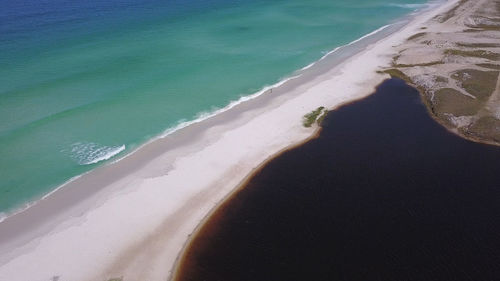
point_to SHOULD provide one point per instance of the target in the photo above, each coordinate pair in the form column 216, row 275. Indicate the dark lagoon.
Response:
column 384, row 193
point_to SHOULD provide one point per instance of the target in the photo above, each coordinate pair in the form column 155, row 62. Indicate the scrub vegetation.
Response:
column 316, row 115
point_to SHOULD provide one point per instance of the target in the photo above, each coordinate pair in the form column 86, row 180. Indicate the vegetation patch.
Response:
column 116, row 279
column 484, row 22
column 418, row 35
column 441, row 79
column 431, row 63
column 468, row 30
column 489, row 27
column 489, row 65
column 448, row 15
column 478, row 45
column 480, row 84
column 322, row 117
column 448, row 100
column 396, row 73
column 395, row 58
column 311, row 117
column 475, row 53
column 487, row 127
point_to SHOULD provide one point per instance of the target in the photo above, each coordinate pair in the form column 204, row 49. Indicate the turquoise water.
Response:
column 84, row 82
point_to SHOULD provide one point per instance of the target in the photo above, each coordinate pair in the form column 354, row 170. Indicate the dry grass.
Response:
column 469, row 30
column 448, row 100
column 438, row 87
column 480, row 84
column 396, row 73
column 489, row 65
column 448, row 15
column 478, row 45
column 418, row 35
column 486, row 127
column 489, row 27
column 431, row 63
column 475, row 53
column 441, row 79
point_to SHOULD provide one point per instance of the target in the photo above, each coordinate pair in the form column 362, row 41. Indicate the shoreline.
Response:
column 202, row 116
column 453, row 70
column 128, row 180
column 326, row 223
column 444, row 125
column 227, row 198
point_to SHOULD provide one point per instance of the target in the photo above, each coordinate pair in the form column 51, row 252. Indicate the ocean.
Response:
column 83, row 83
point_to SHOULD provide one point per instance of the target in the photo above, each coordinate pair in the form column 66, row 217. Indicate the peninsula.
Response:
column 130, row 219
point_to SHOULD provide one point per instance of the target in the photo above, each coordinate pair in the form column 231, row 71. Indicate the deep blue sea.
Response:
column 85, row 82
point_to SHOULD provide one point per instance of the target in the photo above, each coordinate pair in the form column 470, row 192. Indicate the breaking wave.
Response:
column 91, row 153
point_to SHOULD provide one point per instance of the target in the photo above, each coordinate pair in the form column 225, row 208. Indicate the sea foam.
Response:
column 408, row 6
column 86, row 153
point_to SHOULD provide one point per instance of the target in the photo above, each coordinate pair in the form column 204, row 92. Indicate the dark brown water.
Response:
column 384, row 193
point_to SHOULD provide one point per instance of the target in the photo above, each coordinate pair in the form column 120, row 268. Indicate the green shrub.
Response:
column 311, row 117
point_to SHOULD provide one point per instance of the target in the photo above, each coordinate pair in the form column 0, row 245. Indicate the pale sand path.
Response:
column 140, row 211
column 494, row 100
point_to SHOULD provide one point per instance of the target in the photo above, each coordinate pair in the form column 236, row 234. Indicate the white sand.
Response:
column 137, row 223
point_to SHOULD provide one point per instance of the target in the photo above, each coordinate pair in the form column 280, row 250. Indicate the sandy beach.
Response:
column 132, row 218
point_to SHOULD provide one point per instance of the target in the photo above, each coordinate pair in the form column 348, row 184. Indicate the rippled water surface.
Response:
column 103, row 75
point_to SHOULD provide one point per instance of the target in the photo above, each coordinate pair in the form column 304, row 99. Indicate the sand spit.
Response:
column 131, row 219
column 455, row 62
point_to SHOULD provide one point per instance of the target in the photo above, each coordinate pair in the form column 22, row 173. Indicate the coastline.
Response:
column 248, row 133
column 355, row 198
column 456, row 70
column 201, row 117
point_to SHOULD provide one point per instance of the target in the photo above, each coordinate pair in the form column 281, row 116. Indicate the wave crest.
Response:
column 91, row 153
column 407, row 6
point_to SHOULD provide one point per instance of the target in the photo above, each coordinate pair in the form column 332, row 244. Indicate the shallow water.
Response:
column 384, row 193
column 80, row 79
